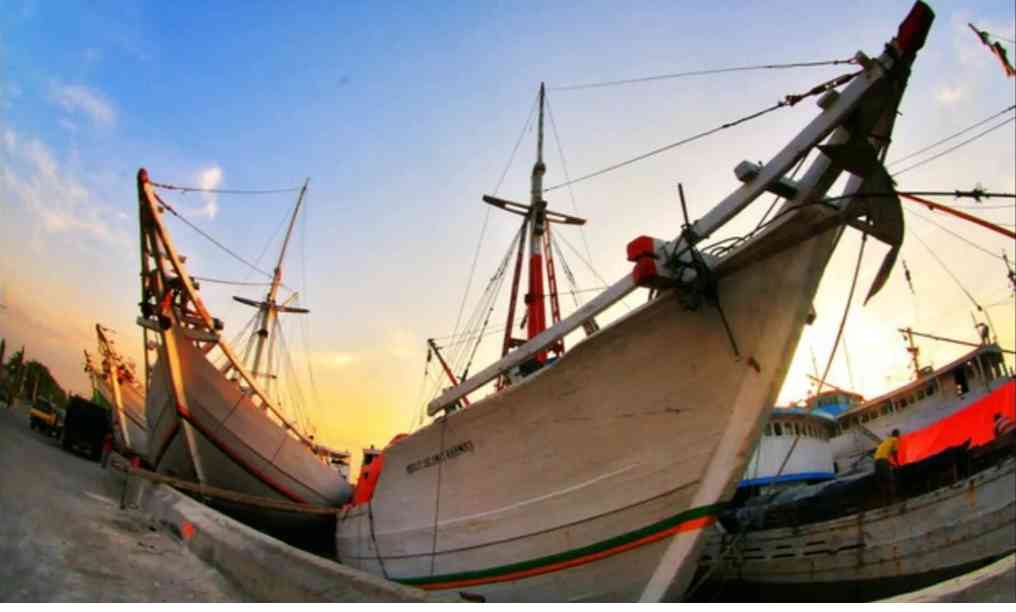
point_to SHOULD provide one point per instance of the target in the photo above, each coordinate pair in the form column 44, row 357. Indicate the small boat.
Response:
column 593, row 475
column 210, row 414
column 115, row 387
column 798, row 532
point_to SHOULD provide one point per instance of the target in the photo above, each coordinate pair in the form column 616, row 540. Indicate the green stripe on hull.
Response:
column 97, row 398
column 621, row 540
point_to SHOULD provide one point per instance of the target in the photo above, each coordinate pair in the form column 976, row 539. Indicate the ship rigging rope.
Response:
column 205, row 279
column 692, row 73
column 836, row 344
column 978, row 136
column 209, row 237
column 225, row 191
column 946, row 268
column 486, row 309
column 951, row 136
column 788, row 100
column 486, row 216
column 567, row 177
column 955, row 235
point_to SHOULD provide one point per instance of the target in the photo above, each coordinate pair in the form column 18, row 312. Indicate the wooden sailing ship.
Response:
column 116, row 387
column 592, row 476
column 210, row 414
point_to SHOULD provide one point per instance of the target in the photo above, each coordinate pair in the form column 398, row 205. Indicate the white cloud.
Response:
column 209, row 178
column 31, row 176
column 950, row 95
column 78, row 98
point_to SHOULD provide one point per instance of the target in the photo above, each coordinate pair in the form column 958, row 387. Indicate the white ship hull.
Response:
column 574, row 484
column 132, row 415
column 222, row 439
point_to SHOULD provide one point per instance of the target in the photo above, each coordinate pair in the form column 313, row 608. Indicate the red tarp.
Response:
column 975, row 423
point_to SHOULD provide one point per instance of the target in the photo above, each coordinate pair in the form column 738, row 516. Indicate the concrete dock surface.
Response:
column 63, row 537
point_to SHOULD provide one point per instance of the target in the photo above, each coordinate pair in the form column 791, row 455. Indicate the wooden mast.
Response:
column 536, row 320
column 913, row 350
column 444, row 365
column 269, row 308
column 536, row 229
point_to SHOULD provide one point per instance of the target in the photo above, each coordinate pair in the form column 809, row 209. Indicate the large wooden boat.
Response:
column 116, row 387
column 215, row 422
column 592, row 476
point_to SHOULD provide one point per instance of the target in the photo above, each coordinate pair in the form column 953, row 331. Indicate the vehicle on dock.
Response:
column 46, row 418
column 86, row 425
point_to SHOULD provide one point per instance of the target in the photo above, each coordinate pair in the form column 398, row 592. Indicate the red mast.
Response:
column 535, row 299
column 535, row 230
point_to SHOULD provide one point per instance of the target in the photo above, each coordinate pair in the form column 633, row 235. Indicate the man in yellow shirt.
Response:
column 885, row 458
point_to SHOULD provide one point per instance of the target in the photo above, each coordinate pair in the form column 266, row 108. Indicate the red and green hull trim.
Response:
column 690, row 520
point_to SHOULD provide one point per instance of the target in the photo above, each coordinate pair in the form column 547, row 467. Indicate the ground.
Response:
column 64, row 538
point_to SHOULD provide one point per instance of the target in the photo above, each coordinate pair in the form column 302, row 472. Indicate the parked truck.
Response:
column 46, row 418
column 86, row 425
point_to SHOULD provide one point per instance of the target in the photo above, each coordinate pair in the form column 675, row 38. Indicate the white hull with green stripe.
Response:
column 591, row 479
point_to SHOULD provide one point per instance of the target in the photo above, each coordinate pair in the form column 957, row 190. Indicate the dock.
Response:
column 77, row 532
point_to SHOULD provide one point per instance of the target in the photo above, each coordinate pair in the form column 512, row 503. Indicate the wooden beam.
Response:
column 962, row 215
column 590, row 309
column 523, row 209
column 226, row 494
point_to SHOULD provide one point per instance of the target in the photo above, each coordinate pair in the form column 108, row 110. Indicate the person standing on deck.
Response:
column 885, row 459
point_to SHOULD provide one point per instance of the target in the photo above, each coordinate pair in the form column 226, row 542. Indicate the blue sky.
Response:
column 403, row 115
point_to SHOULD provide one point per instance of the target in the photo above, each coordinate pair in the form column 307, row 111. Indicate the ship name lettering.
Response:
column 449, row 453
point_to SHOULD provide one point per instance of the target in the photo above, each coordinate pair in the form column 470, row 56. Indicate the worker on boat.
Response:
column 886, row 458
column 1002, row 425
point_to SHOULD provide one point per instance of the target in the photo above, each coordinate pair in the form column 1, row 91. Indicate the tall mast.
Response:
column 536, row 318
column 269, row 308
column 536, row 229
column 913, row 350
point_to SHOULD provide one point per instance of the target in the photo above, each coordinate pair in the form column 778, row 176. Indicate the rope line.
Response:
column 677, row 75
column 788, row 100
column 954, row 147
column 208, row 237
column 947, row 270
column 951, row 136
column 954, row 234
column 667, row 147
column 205, row 279
column 836, row 342
column 486, row 216
column 225, row 191
column 567, row 178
